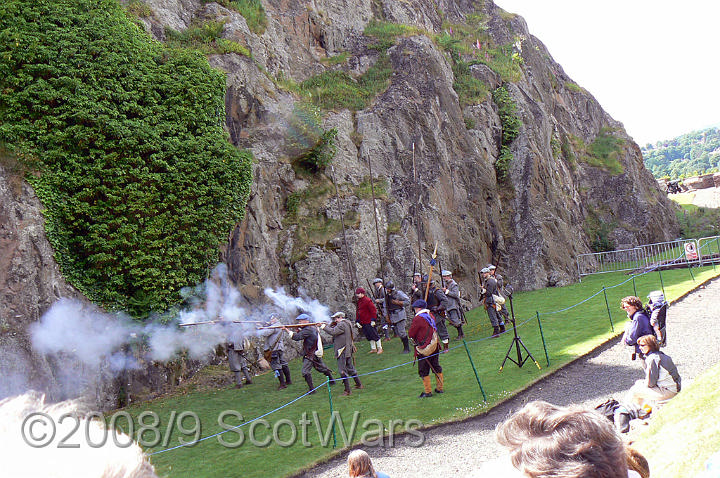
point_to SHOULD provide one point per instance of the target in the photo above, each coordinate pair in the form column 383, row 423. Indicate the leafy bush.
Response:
column 251, row 10
column 599, row 232
column 139, row 182
column 507, row 110
column 312, row 147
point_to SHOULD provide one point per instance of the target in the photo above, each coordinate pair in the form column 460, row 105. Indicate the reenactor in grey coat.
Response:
column 380, row 292
column 490, row 290
column 308, row 334
column 342, row 332
column 236, row 345
column 501, row 289
column 437, row 303
column 275, row 347
column 396, row 301
column 453, row 312
column 417, row 292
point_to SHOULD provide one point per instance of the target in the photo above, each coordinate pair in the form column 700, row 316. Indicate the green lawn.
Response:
column 692, row 416
column 392, row 394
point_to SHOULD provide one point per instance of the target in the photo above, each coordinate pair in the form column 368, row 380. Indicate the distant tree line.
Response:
column 691, row 154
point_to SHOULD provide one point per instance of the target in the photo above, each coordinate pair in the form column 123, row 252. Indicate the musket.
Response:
column 442, row 278
column 289, row 325
column 222, row 321
column 432, row 263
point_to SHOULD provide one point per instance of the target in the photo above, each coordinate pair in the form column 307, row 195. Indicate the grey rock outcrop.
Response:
column 30, row 281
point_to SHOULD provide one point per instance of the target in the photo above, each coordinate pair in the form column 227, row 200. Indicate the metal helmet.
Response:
column 390, row 285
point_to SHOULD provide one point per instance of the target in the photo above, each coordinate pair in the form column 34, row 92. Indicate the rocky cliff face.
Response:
column 30, row 282
column 433, row 156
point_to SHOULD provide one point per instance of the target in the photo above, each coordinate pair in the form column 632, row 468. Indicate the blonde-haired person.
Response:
column 360, row 466
column 549, row 441
column 662, row 380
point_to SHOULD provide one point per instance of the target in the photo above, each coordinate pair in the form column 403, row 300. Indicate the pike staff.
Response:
column 377, row 228
column 350, row 264
column 432, row 263
column 417, row 203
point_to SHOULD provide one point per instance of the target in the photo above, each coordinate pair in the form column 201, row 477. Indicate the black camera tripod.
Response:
column 517, row 342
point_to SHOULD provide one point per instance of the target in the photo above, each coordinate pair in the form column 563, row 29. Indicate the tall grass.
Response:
column 251, row 10
column 205, row 37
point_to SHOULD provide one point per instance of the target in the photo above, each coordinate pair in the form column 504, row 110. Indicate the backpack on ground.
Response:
column 607, row 408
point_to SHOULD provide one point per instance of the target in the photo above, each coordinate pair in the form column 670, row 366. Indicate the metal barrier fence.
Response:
column 648, row 256
column 709, row 248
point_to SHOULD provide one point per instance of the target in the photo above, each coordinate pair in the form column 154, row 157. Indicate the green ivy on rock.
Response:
column 139, row 182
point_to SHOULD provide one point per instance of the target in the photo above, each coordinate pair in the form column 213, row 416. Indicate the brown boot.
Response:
column 496, row 331
column 439, row 383
column 426, row 387
column 445, row 348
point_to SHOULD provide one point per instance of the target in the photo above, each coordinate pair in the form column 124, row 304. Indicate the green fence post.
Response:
column 542, row 336
column 331, row 413
column 691, row 273
column 474, row 370
column 662, row 284
column 634, row 288
column 612, row 327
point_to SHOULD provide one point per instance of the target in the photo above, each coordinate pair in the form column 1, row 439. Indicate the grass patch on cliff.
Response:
column 603, row 152
column 251, row 10
column 138, row 179
column 470, row 44
column 337, row 89
column 386, row 33
column 206, row 38
column 333, row 89
column 568, row 335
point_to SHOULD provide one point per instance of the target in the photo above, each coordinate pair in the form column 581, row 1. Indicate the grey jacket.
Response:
column 399, row 314
column 274, row 339
column 453, row 295
column 661, row 372
column 342, row 334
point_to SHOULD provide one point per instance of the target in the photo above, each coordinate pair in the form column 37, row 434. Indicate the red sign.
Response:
column 690, row 251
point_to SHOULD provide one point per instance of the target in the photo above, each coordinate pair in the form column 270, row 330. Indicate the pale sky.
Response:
column 652, row 65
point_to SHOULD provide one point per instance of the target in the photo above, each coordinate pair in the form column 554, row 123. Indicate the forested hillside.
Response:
column 691, row 154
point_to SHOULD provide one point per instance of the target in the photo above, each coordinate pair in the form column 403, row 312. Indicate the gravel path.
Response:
column 458, row 448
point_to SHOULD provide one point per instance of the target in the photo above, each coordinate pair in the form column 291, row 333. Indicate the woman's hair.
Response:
column 562, row 442
column 650, row 341
column 359, row 464
column 637, row 462
column 632, row 300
